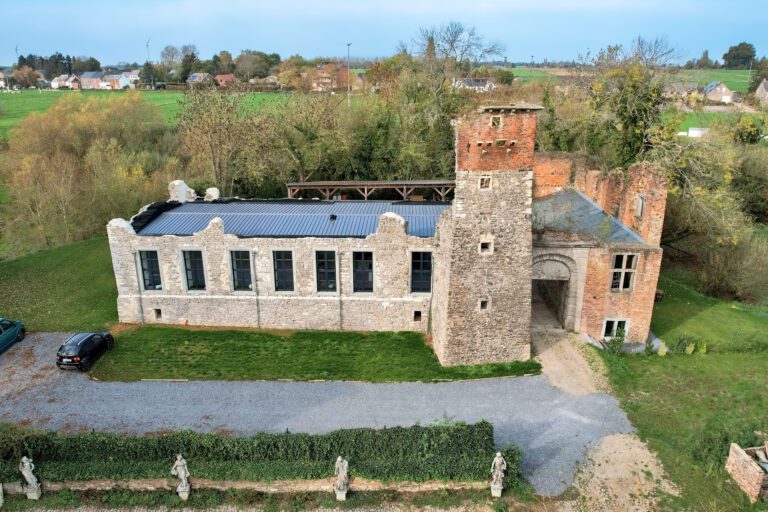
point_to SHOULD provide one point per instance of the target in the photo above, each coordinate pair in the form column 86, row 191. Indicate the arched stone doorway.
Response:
column 553, row 292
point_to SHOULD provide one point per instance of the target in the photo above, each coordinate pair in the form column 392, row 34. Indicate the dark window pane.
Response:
column 621, row 325
column 326, row 271
column 150, row 270
column 241, row 270
column 283, row 263
column 627, row 281
column 618, row 261
column 616, row 281
column 630, row 261
column 362, row 272
column 421, row 272
column 193, row 265
column 608, row 328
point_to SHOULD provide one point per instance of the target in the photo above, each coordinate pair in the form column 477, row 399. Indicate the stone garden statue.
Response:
column 498, row 468
column 181, row 471
column 31, row 487
column 341, row 470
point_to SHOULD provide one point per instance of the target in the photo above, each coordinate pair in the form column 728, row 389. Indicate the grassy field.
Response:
column 205, row 354
column 689, row 408
column 65, row 289
column 736, row 79
column 15, row 107
column 533, row 75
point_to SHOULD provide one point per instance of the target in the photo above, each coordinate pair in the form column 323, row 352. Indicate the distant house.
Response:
column 270, row 80
column 200, row 79
column 225, row 80
column 132, row 75
column 474, row 84
column 117, row 82
column 680, row 90
column 91, row 80
column 718, row 92
column 59, row 82
column 73, row 82
column 3, row 80
column 762, row 93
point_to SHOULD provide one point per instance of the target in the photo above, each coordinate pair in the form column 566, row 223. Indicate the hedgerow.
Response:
column 442, row 452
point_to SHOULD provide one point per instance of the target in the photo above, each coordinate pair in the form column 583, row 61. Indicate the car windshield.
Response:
column 69, row 350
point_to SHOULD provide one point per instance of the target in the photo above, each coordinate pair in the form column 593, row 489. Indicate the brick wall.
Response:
column 600, row 302
column 551, row 173
column 390, row 307
column 617, row 193
column 746, row 473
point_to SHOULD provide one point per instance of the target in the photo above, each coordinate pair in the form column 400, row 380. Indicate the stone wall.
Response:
column 746, row 473
column 390, row 307
column 553, row 260
column 487, row 282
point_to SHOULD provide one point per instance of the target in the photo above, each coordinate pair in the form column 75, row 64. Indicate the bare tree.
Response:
column 170, row 56
column 457, row 44
column 188, row 49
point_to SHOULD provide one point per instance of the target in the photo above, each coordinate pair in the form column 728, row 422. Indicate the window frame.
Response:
column 140, row 267
column 335, row 253
column 251, row 269
column 615, row 327
column 184, row 250
column 373, row 271
column 274, row 270
column 411, row 271
column 481, row 179
column 623, row 271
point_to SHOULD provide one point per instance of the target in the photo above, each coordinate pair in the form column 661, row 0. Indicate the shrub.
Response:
column 615, row 343
column 684, row 344
column 710, row 446
column 443, row 452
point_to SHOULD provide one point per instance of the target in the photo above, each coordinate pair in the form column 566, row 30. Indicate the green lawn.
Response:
column 689, row 408
column 720, row 323
column 15, row 107
column 736, row 79
column 533, row 75
column 65, row 289
column 180, row 353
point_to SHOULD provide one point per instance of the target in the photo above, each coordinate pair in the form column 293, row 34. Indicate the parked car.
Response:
column 82, row 349
column 11, row 331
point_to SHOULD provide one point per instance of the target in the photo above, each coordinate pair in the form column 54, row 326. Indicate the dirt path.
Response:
column 621, row 473
column 561, row 355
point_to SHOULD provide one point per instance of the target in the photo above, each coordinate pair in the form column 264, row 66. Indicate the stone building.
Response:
column 529, row 241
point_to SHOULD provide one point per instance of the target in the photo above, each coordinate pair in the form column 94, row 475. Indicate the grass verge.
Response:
column 250, row 500
column 689, row 408
column 69, row 288
column 180, row 353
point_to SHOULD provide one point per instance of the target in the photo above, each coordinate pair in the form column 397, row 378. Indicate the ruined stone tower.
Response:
column 482, row 290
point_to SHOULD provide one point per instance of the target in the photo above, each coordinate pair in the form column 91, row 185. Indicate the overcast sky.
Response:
column 114, row 31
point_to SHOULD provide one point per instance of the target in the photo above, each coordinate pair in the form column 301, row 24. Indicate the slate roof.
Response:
column 91, row 74
column 570, row 211
column 295, row 218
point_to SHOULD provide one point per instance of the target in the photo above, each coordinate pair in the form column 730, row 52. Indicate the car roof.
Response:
column 78, row 338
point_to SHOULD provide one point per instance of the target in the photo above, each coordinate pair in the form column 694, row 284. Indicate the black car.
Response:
column 82, row 349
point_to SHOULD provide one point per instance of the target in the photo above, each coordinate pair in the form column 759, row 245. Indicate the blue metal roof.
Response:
column 710, row 87
column 298, row 218
column 570, row 211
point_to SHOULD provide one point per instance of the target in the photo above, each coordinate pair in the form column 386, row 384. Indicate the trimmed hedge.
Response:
column 418, row 453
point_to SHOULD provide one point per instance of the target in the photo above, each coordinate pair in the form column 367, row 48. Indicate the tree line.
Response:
column 119, row 154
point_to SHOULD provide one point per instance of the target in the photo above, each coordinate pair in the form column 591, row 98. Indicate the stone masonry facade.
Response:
column 390, row 307
column 484, row 257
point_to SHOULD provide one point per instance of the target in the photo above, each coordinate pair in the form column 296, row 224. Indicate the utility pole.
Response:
column 152, row 72
column 349, row 80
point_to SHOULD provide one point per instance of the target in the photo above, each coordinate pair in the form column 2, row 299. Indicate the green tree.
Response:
column 739, row 56
column 188, row 64
column 759, row 73
column 147, row 74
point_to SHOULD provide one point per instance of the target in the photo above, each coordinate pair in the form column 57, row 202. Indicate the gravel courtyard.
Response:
column 554, row 428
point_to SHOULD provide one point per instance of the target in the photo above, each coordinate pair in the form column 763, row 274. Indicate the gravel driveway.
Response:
column 554, row 428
